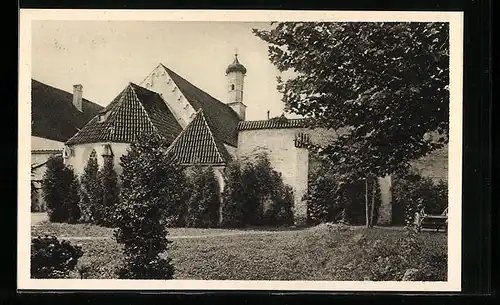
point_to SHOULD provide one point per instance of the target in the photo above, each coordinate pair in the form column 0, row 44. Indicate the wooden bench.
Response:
column 429, row 221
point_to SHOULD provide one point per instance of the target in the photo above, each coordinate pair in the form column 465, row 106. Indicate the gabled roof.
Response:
column 53, row 115
column 196, row 144
column 134, row 111
column 225, row 120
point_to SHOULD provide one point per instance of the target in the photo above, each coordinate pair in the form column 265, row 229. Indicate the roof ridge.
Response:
column 178, row 75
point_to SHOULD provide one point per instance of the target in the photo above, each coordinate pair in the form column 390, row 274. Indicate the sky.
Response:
column 104, row 56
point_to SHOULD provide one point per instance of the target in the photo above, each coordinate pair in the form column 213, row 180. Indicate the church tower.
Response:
column 235, row 73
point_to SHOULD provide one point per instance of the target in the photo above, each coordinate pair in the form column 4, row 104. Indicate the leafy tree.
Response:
column 233, row 210
column 91, row 191
column 203, row 202
column 152, row 187
column 108, row 180
column 61, row 191
column 383, row 86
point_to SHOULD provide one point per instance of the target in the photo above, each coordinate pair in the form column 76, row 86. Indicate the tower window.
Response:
column 232, row 86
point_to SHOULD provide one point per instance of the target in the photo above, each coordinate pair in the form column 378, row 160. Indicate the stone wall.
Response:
column 295, row 164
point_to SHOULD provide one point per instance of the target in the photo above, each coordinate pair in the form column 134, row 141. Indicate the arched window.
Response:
column 232, row 87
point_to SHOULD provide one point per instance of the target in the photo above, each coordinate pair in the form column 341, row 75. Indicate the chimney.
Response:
column 268, row 114
column 77, row 97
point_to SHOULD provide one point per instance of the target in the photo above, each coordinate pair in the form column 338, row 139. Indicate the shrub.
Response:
column 412, row 191
column 256, row 195
column 280, row 211
column 332, row 197
column 35, row 203
column 91, row 190
column 233, row 214
column 72, row 203
column 61, row 191
column 110, row 199
column 203, row 201
column 152, row 187
column 53, row 259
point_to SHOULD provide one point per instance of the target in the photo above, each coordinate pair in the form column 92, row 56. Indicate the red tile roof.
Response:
column 197, row 144
column 53, row 115
column 225, row 120
column 134, row 111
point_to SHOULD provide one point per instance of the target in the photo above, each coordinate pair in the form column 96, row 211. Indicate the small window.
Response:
column 102, row 117
column 232, row 87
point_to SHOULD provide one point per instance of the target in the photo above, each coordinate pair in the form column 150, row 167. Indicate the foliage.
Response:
column 61, row 191
column 233, row 209
column 151, row 191
column 91, row 190
column 336, row 197
column 203, row 202
column 110, row 199
column 256, row 195
column 53, row 259
column 383, row 85
column 412, row 192
column 35, row 202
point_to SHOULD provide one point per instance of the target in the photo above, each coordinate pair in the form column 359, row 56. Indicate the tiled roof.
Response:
column 196, row 144
column 134, row 111
column 53, row 115
column 224, row 119
column 275, row 123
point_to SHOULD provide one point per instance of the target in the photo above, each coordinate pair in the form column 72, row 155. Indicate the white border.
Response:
column 455, row 148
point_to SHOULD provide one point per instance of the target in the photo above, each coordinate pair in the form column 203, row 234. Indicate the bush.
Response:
column 256, row 194
column 91, row 190
column 61, row 191
column 152, row 187
column 110, row 193
column 412, row 191
column 332, row 197
column 53, row 259
column 233, row 214
column 35, row 202
column 203, row 201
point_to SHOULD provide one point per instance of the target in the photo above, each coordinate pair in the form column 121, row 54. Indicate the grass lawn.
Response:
column 318, row 253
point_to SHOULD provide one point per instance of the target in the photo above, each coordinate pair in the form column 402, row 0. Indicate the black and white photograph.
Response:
column 240, row 150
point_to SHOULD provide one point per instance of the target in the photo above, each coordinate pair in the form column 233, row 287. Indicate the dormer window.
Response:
column 102, row 116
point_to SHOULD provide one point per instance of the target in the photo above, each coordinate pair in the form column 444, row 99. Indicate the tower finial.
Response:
column 236, row 52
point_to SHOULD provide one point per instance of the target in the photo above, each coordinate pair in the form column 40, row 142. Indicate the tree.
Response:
column 110, row 199
column 383, row 86
column 233, row 209
column 61, row 191
column 152, row 187
column 203, row 202
column 72, row 202
column 91, row 190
